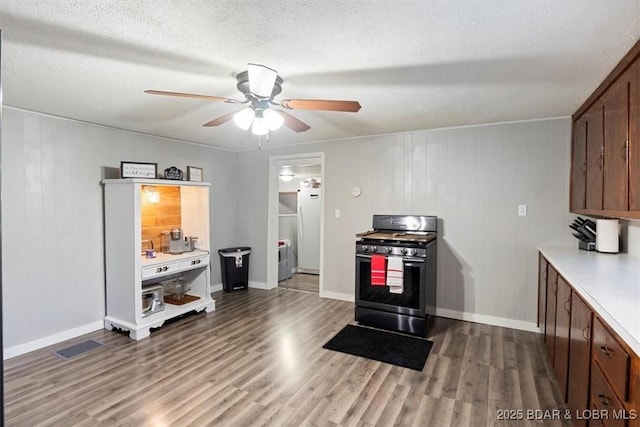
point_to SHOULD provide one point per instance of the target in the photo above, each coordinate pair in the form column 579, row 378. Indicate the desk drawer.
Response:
column 612, row 359
column 157, row 270
column 195, row 262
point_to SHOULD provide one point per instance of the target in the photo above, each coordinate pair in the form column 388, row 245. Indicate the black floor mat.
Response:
column 77, row 349
column 388, row 347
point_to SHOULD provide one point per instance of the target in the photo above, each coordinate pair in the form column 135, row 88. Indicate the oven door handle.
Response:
column 404, row 259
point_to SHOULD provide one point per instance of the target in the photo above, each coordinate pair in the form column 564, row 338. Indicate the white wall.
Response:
column 472, row 178
column 53, row 257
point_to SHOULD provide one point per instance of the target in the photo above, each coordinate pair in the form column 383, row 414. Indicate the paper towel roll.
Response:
column 607, row 235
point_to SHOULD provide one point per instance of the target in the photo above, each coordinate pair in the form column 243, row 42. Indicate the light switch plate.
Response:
column 337, row 213
column 522, row 210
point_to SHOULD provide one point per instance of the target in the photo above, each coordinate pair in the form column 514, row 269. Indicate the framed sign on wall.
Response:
column 138, row 170
column 194, row 173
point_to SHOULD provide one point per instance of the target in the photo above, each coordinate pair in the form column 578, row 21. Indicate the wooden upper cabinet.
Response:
column 634, row 137
column 595, row 155
column 612, row 116
column 579, row 165
column 616, row 128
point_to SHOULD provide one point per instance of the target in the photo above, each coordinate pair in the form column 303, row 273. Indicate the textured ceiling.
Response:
column 411, row 64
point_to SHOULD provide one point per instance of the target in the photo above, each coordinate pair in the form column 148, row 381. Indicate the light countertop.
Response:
column 610, row 283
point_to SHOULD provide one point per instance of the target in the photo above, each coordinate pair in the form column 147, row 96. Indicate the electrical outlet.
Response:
column 522, row 210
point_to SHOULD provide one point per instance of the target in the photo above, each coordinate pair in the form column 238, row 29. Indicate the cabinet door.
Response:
column 634, row 137
column 563, row 319
column 542, row 293
column 550, row 312
column 595, row 155
column 579, row 165
column 579, row 358
column 616, row 126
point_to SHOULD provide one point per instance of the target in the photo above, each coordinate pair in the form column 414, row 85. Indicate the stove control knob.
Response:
column 365, row 248
column 373, row 248
column 387, row 250
column 414, row 252
column 404, row 251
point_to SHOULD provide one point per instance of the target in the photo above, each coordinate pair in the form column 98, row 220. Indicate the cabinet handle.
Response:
column 607, row 352
column 159, row 270
column 601, row 160
column 624, row 150
column 585, row 333
column 165, row 268
column 606, row 402
column 583, row 169
column 567, row 306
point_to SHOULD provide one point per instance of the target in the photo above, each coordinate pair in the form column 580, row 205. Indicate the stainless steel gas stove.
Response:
column 396, row 273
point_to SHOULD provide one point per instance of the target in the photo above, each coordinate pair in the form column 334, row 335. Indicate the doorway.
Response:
column 296, row 222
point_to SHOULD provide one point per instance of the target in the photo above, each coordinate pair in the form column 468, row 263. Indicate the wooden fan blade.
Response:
column 293, row 123
column 321, row 104
column 220, row 120
column 192, row 95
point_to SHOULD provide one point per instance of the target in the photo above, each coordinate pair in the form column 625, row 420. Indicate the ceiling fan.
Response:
column 259, row 85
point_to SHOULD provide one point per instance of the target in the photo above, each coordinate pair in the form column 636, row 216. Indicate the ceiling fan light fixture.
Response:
column 273, row 118
column 286, row 177
column 259, row 126
column 261, row 80
column 244, row 118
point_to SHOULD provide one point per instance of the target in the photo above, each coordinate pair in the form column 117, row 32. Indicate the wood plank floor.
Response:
column 302, row 282
column 258, row 360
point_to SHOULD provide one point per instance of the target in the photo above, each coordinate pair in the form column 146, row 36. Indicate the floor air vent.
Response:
column 77, row 349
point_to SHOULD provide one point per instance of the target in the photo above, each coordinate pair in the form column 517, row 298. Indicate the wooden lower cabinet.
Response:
column 542, row 293
column 550, row 312
column 563, row 319
column 579, row 358
column 595, row 369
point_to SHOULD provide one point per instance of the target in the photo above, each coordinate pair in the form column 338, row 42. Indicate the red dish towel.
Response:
column 378, row 270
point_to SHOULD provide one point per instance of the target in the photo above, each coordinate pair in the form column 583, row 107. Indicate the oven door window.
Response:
column 413, row 274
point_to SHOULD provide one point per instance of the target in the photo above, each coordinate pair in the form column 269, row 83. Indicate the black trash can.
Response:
column 235, row 267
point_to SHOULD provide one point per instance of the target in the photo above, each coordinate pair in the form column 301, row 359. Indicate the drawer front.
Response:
column 196, row 262
column 604, row 401
column 612, row 359
column 157, row 270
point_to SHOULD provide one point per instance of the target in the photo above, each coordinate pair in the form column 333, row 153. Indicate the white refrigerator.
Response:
column 309, row 230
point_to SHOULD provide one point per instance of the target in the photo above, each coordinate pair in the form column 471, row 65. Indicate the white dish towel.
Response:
column 395, row 275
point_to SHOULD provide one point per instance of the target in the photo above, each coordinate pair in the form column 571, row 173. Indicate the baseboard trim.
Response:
column 488, row 320
column 216, row 288
column 19, row 349
column 338, row 295
column 261, row 285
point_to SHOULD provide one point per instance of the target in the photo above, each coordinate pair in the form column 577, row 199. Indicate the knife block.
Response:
column 588, row 246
